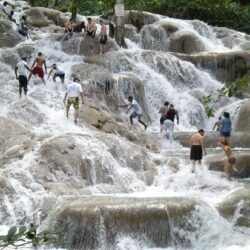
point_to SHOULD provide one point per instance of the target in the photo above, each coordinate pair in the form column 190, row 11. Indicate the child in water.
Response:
column 231, row 160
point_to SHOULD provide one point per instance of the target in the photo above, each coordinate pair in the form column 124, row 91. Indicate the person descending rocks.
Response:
column 38, row 69
column 59, row 72
column 104, row 38
column 21, row 68
column 163, row 111
column 91, row 27
column 73, row 94
column 231, row 160
column 137, row 111
column 197, row 147
column 169, row 122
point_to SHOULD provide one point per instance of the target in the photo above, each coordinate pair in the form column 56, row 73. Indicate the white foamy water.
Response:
column 164, row 77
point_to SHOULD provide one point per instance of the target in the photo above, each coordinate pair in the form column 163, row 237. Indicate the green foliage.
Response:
column 210, row 100
column 21, row 236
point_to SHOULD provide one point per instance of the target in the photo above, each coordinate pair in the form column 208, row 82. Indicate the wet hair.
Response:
column 171, row 105
column 226, row 114
column 5, row 3
column 54, row 65
column 24, row 58
column 76, row 79
column 166, row 103
column 24, row 18
column 89, row 19
column 201, row 131
column 12, row 12
column 40, row 53
column 101, row 21
column 130, row 98
column 220, row 117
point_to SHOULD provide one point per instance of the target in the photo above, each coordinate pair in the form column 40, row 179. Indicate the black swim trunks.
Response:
column 103, row 39
column 23, row 82
column 59, row 75
column 196, row 152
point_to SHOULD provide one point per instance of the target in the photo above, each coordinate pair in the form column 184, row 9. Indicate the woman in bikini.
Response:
column 231, row 160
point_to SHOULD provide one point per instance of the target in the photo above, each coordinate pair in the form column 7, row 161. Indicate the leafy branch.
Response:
column 22, row 236
column 210, row 100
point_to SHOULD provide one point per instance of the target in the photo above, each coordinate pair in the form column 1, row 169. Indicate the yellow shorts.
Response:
column 74, row 101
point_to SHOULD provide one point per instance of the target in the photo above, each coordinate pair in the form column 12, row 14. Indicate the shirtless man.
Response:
column 197, row 147
column 91, row 27
column 104, row 38
column 38, row 69
column 69, row 27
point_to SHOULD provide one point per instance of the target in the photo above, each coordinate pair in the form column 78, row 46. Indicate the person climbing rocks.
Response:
column 72, row 95
column 163, row 111
column 231, row 160
column 21, row 68
column 197, row 148
column 38, row 69
column 217, row 124
column 137, row 111
column 104, row 38
column 69, row 27
column 59, row 72
column 169, row 122
column 226, row 126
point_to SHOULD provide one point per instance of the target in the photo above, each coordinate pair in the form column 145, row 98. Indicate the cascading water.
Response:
column 115, row 186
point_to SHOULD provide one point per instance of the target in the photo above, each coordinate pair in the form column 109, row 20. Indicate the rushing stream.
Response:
column 103, row 190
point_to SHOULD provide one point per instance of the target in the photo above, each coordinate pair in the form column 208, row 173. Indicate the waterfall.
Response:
column 108, row 184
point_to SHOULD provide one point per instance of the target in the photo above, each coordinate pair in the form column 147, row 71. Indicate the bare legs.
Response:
column 228, row 170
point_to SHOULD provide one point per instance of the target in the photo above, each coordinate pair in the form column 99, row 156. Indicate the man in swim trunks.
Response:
column 74, row 92
column 137, row 110
column 38, row 69
column 197, row 147
column 91, row 27
column 59, row 72
column 22, row 76
column 104, row 38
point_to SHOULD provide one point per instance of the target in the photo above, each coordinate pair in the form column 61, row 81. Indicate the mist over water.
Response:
column 164, row 77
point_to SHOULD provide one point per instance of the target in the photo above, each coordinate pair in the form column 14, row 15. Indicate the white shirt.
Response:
column 74, row 89
column 136, row 107
column 21, row 68
column 59, row 70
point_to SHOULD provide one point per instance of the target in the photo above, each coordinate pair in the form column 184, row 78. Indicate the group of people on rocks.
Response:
column 224, row 127
column 4, row 12
column 72, row 27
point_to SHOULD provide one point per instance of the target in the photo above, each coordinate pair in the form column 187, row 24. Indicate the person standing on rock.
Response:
column 231, row 160
column 137, row 111
column 22, row 76
column 104, row 38
column 73, row 94
column 169, row 122
column 38, row 69
column 225, row 126
column 59, row 72
column 163, row 111
column 197, row 147
column 217, row 124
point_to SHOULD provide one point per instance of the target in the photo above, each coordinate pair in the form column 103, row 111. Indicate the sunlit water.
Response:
column 204, row 185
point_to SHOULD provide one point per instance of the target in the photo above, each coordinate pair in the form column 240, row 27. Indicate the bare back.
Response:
column 103, row 30
column 196, row 139
column 39, row 61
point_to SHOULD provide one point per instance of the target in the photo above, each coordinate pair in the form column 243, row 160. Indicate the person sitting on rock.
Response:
column 69, row 27
column 78, row 27
column 23, row 30
column 59, row 72
column 137, row 111
column 91, row 27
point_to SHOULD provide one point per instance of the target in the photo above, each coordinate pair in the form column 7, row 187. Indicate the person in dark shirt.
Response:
column 169, row 122
column 226, row 126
